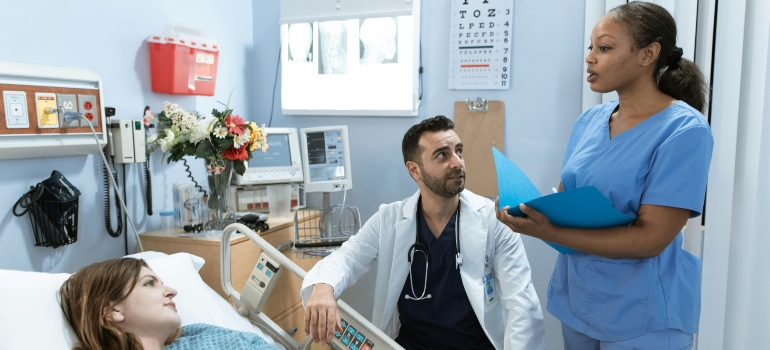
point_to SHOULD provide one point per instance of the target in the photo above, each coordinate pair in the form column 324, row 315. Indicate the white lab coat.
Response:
column 513, row 321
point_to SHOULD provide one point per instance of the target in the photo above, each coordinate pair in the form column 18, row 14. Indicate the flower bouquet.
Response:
column 223, row 140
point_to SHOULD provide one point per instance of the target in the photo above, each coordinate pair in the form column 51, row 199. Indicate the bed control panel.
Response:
column 261, row 283
column 351, row 338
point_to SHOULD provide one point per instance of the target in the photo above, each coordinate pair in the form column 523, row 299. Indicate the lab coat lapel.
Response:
column 473, row 248
column 403, row 238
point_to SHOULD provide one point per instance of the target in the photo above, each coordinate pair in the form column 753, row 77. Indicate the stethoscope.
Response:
column 424, row 250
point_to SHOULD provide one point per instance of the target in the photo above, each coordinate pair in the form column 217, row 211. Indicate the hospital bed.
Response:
column 358, row 333
column 31, row 318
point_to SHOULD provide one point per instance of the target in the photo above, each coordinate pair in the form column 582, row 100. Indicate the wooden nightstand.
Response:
column 284, row 306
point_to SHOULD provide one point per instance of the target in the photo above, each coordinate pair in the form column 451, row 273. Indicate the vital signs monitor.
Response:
column 281, row 163
column 326, row 159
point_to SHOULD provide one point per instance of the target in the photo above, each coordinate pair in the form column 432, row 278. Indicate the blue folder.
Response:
column 583, row 207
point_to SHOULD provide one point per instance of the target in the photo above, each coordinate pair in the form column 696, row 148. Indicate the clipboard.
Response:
column 480, row 124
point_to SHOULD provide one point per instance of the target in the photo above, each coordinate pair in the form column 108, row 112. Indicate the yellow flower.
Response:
column 262, row 142
column 253, row 136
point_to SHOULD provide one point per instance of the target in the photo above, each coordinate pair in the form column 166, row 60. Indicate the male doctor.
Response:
column 478, row 293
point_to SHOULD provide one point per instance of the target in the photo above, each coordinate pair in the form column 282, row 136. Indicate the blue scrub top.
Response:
column 662, row 161
column 446, row 320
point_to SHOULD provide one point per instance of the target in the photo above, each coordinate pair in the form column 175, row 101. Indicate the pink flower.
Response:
column 235, row 125
column 148, row 116
column 216, row 170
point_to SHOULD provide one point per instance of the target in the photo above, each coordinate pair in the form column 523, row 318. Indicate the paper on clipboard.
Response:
column 480, row 124
column 583, row 207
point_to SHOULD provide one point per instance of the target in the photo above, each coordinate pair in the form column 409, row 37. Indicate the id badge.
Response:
column 489, row 286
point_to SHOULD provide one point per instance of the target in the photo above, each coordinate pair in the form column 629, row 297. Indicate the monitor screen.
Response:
column 326, row 159
column 278, row 153
column 280, row 163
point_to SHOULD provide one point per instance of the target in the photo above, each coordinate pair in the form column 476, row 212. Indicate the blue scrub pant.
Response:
column 671, row 339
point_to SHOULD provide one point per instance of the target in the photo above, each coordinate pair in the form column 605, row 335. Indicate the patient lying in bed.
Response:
column 121, row 303
column 31, row 316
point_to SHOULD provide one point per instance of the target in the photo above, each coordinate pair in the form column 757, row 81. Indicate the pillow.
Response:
column 29, row 306
column 149, row 255
column 30, row 315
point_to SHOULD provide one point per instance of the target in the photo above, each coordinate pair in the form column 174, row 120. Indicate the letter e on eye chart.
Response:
column 480, row 44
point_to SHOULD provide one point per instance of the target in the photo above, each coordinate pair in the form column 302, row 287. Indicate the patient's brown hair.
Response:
column 85, row 296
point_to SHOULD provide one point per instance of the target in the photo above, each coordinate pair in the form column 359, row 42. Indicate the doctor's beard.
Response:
column 440, row 185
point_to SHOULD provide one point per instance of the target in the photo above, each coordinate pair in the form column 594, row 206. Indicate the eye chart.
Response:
column 480, row 44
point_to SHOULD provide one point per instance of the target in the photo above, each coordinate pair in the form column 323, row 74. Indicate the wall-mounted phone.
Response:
column 128, row 141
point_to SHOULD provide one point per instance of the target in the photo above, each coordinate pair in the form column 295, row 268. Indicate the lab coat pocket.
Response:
column 617, row 296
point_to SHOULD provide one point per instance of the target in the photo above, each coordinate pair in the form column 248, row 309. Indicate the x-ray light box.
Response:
column 351, row 66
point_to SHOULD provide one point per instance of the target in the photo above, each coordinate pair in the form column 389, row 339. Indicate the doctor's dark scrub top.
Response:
column 446, row 320
column 662, row 161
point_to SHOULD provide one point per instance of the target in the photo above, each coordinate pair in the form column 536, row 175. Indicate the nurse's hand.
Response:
column 321, row 315
column 535, row 224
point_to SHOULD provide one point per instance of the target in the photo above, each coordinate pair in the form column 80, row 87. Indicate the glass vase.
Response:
column 221, row 212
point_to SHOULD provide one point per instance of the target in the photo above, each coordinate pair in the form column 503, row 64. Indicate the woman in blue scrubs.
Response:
column 649, row 153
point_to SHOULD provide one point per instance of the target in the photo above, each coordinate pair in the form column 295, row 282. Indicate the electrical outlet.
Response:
column 68, row 103
column 47, row 117
column 87, row 106
column 16, row 114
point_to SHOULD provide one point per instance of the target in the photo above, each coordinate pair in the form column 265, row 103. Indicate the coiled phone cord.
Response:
column 190, row 175
column 107, row 205
column 148, row 115
column 148, row 184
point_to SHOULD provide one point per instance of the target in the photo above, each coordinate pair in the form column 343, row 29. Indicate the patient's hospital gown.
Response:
column 201, row 336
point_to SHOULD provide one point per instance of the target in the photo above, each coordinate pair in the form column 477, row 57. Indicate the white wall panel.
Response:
column 727, row 80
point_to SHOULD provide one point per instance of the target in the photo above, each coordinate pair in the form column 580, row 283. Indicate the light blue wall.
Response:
column 109, row 38
column 541, row 106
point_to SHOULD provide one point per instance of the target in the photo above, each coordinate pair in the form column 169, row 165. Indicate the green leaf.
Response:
column 176, row 154
column 240, row 167
column 213, row 201
column 205, row 150
column 221, row 145
column 230, row 98
column 163, row 119
column 190, row 149
column 226, row 143
column 214, row 144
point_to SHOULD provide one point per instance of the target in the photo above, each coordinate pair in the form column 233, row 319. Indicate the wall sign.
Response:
column 480, row 44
